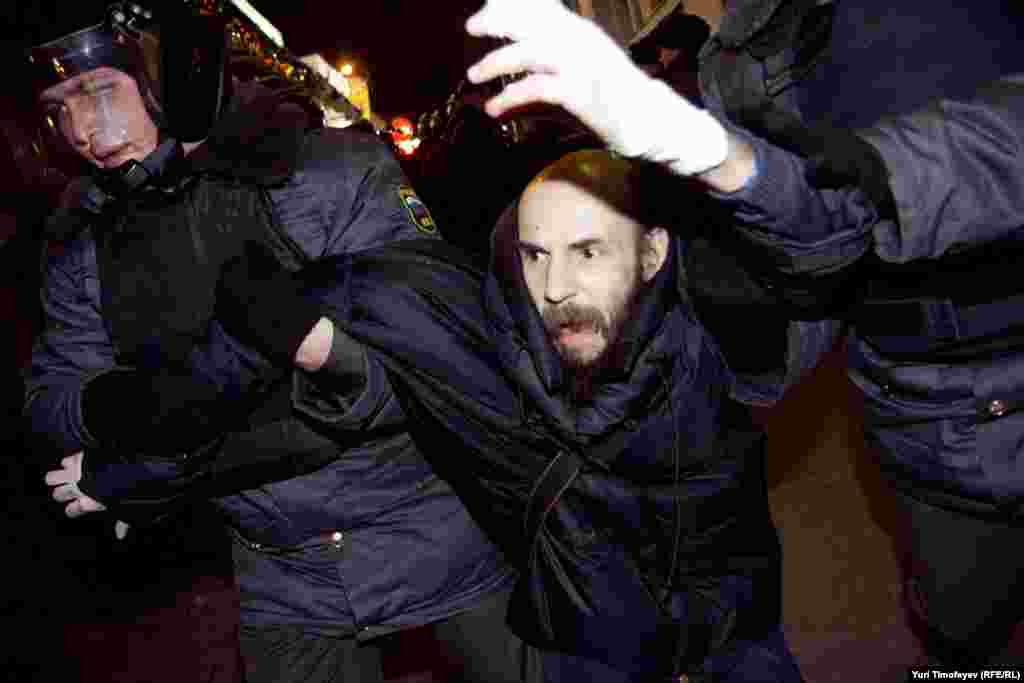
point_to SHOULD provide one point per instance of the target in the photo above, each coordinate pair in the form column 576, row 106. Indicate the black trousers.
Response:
column 966, row 583
column 287, row 654
column 477, row 646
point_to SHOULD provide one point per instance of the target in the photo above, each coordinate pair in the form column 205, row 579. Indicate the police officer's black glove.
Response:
column 264, row 305
column 844, row 158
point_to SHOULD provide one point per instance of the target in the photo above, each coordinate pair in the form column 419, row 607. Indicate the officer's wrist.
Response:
column 736, row 172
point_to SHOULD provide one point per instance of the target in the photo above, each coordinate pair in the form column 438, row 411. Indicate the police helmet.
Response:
column 176, row 53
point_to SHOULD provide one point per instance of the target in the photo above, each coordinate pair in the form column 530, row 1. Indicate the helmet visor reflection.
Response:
column 82, row 51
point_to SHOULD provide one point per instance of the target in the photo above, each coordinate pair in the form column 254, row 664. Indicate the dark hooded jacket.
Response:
column 639, row 522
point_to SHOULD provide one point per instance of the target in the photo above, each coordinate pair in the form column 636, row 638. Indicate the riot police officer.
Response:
column 181, row 167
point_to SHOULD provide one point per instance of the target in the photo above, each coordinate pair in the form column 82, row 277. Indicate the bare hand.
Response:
column 65, row 490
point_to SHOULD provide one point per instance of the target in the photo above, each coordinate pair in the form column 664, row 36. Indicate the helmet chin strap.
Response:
column 110, row 185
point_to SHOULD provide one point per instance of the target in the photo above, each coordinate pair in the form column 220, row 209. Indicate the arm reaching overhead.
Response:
column 570, row 61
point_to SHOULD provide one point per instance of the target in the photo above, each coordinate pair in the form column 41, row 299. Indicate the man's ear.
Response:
column 654, row 252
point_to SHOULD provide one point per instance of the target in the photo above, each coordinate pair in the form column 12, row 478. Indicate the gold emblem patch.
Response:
column 418, row 211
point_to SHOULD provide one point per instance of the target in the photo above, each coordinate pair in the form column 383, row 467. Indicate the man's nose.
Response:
column 561, row 281
column 79, row 122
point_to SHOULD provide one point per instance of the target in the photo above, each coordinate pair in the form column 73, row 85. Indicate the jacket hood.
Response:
column 660, row 329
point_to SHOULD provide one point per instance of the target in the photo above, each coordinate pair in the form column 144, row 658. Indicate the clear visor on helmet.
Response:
column 88, row 93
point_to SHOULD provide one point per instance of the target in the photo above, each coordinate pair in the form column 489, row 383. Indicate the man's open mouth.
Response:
column 574, row 329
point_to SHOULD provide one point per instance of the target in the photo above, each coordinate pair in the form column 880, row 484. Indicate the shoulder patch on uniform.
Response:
column 418, row 211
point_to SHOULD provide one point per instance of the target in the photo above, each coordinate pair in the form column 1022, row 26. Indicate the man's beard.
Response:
column 582, row 375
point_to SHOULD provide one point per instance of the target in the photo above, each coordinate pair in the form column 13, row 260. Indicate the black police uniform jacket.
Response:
column 327, row 550
column 919, row 223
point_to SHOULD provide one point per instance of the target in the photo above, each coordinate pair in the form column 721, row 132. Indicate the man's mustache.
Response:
column 573, row 315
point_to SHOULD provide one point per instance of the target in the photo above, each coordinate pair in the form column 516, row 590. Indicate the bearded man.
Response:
column 654, row 551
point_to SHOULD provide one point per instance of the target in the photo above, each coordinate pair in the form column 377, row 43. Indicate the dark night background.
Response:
column 414, row 52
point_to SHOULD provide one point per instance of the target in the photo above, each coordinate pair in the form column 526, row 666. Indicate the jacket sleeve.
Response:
column 168, row 407
column 170, row 414
column 72, row 348
column 349, row 400
column 956, row 172
column 346, row 403
column 201, row 444
column 802, row 231
column 159, row 404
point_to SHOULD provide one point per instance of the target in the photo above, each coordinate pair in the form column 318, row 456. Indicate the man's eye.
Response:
column 531, row 255
column 588, row 253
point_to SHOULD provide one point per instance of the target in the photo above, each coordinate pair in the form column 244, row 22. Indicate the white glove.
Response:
column 570, row 61
column 65, row 490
